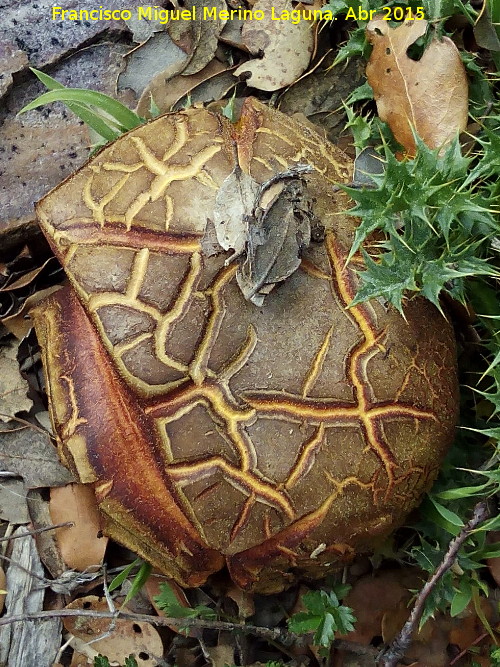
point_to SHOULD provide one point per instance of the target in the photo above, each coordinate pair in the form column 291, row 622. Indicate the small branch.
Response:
column 476, row 641
column 276, row 634
column 280, row 635
column 398, row 647
column 36, row 531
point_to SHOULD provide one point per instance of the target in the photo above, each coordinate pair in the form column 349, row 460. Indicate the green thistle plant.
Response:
column 437, row 227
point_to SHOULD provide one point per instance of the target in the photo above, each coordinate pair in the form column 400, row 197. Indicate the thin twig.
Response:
column 476, row 641
column 398, row 647
column 36, row 531
column 285, row 637
column 279, row 634
column 111, row 608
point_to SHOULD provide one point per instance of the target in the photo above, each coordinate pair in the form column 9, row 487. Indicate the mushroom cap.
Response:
column 279, row 440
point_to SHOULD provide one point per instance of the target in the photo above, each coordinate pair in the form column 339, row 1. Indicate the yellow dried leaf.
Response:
column 430, row 95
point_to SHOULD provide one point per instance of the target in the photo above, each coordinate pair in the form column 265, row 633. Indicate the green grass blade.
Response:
column 120, row 578
column 89, row 117
column 125, row 118
column 138, row 582
column 48, row 81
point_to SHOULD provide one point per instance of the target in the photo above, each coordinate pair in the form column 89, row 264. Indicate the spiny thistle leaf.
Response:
column 436, row 227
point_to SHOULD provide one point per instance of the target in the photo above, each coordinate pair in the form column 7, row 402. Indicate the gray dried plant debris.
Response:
column 268, row 238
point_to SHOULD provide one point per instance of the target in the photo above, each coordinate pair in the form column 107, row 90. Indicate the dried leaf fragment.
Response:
column 30, row 454
column 430, row 95
column 270, row 223
column 276, row 238
column 234, row 204
column 118, row 640
column 287, row 46
column 209, row 31
column 13, row 387
column 158, row 55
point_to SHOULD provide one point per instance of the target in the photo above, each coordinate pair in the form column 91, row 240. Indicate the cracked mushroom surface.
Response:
column 279, row 440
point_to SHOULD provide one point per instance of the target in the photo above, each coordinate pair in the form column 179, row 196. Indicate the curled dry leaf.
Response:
column 19, row 324
column 270, row 223
column 125, row 639
column 287, row 47
column 209, row 31
column 30, row 454
column 234, row 204
column 277, row 236
column 82, row 545
column 13, row 387
column 430, row 95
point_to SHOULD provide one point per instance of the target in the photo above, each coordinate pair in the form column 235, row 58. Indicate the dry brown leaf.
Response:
column 166, row 91
column 287, row 47
column 210, row 30
column 244, row 600
column 373, row 597
column 430, row 95
column 13, row 505
column 494, row 563
column 222, row 654
column 20, row 324
column 152, row 588
column 13, row 387
column 213, row 89
column 127, row 638
column 234, row 204
column 30, row 454
column 80, row 660
column 80, row 545
column 231, row 34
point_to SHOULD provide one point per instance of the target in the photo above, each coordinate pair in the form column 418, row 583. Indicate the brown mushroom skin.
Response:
column 280, row 440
